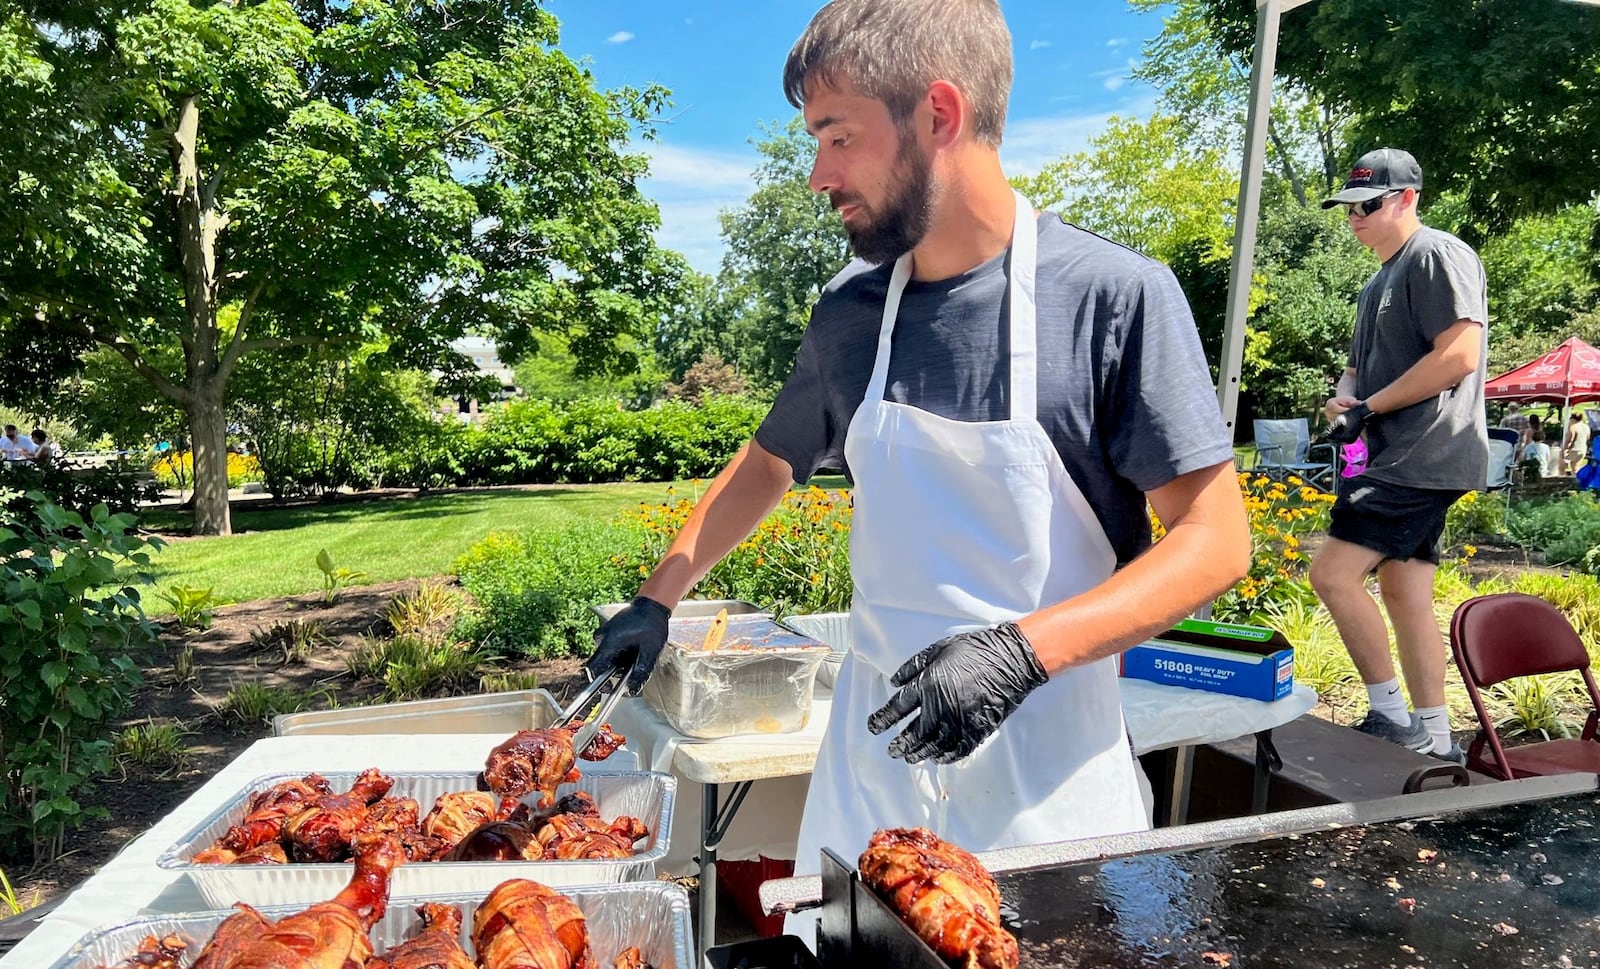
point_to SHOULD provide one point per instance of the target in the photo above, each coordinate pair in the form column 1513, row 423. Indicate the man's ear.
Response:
column 948, row 112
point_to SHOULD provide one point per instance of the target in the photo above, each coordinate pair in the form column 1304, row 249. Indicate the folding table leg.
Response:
column 714, row 820
column 1182, row 772
column 1267, row 763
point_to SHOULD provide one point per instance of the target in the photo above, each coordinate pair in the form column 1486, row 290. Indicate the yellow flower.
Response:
column 1470, row 550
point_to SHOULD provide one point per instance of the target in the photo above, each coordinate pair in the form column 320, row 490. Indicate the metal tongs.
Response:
column 609, row 689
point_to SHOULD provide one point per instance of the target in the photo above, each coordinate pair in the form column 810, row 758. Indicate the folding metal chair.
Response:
column 1508, row 635
column 1284, row 448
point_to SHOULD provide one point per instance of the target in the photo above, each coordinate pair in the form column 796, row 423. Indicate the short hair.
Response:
column 892, row 50
column 38, row 435
column 11, row 428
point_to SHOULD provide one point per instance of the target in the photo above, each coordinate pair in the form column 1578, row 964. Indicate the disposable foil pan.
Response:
column 482, row 713
column 761, row 679
column 651, row 915
column 646, row 795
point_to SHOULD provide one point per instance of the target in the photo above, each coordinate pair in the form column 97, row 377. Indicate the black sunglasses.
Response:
column 1369, row 206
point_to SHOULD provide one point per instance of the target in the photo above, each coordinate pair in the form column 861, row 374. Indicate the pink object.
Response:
column 1353, row 457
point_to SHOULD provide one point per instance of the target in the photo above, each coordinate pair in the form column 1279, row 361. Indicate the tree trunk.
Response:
column 208, row 430
column 198, row 225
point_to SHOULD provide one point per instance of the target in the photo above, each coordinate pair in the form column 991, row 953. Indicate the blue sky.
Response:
column 722, row 59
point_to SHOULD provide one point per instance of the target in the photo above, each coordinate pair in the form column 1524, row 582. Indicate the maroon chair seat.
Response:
column 1509, row 635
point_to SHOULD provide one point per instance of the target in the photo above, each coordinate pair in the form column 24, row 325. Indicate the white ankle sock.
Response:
column 1387, row 699
column 1437, row 720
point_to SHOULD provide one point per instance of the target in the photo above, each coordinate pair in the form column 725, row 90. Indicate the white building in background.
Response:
column 485, row 356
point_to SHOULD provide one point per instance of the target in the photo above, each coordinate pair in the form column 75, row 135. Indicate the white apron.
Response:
column 957, row 526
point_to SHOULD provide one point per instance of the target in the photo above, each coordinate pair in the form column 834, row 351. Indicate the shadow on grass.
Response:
column 255, row 518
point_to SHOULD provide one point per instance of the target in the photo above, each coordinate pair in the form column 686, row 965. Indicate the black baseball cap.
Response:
column 1378, row 172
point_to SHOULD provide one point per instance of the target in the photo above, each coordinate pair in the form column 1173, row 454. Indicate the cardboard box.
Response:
column 1247, row 661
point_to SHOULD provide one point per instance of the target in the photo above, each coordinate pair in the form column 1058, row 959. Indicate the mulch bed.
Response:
column 223, row 656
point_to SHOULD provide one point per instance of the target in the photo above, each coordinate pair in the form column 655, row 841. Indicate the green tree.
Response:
column 784, row 244
column 193, row 183
column 1207, row 86
column 1311, row 268
column 1542, row 274
column 1143, row 184
column 1497, row 98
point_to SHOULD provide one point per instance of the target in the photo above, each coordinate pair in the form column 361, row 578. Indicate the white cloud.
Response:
column 1116, row 77
column 1116, row 42
column 1037, row 44
column 691, row 186
column 620, row 37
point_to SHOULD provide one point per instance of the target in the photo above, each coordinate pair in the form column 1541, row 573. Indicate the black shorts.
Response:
column 1396, row 521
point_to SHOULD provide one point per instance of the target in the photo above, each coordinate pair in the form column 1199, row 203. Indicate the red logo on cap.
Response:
column 1360, row 175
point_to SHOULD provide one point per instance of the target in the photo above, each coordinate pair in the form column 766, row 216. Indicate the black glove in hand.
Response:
column 964, row 687
column 1347, row 426
column 632, row 638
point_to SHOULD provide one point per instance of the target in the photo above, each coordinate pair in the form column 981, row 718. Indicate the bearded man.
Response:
column 1006, row 393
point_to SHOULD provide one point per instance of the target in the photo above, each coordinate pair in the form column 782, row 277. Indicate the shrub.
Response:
column 508, row 682
column 1280, row 513
column 533, row 595
column 121, row 486
column 796, row 561
column 297, row 639
column 251, row 702
column 415, row 612
column 589, row 440
column 69, row 638
column 413, row 666
column 419, row 667
column 154, row 747
column 1474, row 516
column 176, row 469
column 1563, row 530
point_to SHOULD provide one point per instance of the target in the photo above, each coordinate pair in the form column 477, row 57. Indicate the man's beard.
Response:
column 905, row 215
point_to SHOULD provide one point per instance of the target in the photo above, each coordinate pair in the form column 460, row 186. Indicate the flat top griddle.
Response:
column 1510, row 885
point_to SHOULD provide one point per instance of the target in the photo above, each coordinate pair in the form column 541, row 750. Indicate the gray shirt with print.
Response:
column 1442, row 442
column 1123, row 389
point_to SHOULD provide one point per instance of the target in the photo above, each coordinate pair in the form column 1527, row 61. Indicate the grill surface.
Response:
column 1512, row 885
column 1487, row 885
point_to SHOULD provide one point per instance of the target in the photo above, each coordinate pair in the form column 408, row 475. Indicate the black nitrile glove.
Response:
column 1347, row 426
column 632, row 638
column 964, row 686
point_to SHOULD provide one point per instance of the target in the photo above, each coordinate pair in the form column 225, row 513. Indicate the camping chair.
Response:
column 1502, row 459
column 1508, row 635
column 1284, row 448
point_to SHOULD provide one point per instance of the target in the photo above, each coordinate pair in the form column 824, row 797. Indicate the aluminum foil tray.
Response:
column 502, row 713
column 646, row 795
column 760, row 681
column 651, row 915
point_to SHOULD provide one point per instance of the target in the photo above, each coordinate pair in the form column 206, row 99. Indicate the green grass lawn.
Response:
column 273, row 551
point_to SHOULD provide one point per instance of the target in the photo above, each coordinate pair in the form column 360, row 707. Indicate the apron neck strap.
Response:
column 1020, row 290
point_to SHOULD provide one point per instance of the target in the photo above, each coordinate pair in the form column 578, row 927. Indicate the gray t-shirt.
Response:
column 1421, row 291
column 1124, row 392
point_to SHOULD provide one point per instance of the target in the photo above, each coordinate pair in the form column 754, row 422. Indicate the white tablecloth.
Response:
column 768, row 823
column 130, row 885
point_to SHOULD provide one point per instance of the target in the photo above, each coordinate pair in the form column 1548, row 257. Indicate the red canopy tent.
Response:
column 1567, row 375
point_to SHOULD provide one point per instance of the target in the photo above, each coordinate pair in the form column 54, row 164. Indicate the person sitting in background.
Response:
column 1517, row 421
column 14, row 447
column 1539, row 455
column 45, row 450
